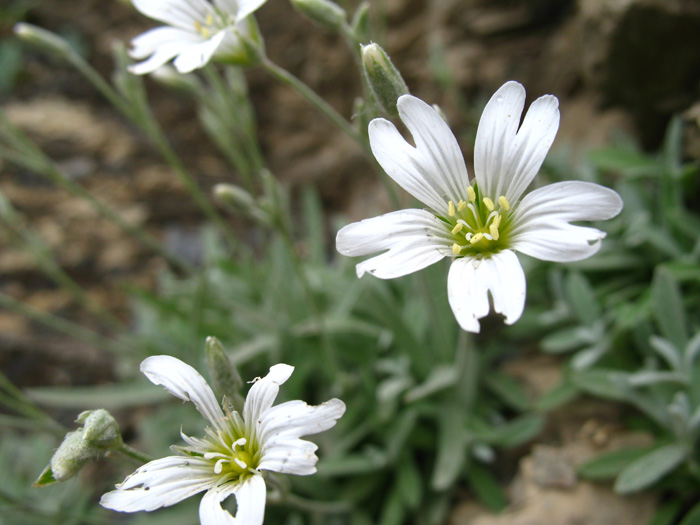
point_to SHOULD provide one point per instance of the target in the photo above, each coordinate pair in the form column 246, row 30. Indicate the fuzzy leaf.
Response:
column 650, row 468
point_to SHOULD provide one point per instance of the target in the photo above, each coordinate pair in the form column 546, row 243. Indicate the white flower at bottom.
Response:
column 235, row 449
column 479, row 225
column 197, row 31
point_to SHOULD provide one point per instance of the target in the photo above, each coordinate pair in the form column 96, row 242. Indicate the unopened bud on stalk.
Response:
column 235, row 197
column 224, row 376
column 360, row 22
column 42, row 38
column 99, row 434
column 324, row 12
column 99, row 427
column 384, row 79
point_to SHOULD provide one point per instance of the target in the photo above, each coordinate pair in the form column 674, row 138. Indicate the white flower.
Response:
column 235, row 449
column 196, row 32
column 481, row 224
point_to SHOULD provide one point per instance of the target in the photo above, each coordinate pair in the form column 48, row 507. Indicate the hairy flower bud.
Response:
column 42, row 38
column 384, row 79
column 324, row 12
column 224, row 376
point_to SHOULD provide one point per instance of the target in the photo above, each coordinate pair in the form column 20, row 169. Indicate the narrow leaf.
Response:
column 650, row 468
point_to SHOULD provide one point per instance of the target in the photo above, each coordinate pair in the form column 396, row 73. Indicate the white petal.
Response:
column 178, row 13
column 250, row 501
column 542, row 218
column 228, row 6
column 530, row 147
column 507, row 159
column 246, row 7
column 160, row 483
column 164, row 43
column 415, row 239
column 198, row 55
column 290, row 457
column 434, row 171
column 495, row 134
column 183, row 381
column 470, row 280
column 283, row 425
column 261, row 396
column 152, row 40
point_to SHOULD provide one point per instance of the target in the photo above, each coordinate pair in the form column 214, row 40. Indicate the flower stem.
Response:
column 132, row 453
column 312, row 97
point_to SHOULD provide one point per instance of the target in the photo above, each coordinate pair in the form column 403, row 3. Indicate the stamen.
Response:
column 494, row 231
column 461, row 205
column 210, row 19
column 497, row 220
column 456, row 248
column 477, row 238
column 451, row 209
column 205, row 32
column 198, row 26
column 457, row 228
column 488, row 203
column 471, row 193
column 504, row 203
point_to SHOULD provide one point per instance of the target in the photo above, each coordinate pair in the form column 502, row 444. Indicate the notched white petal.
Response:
column 470, row 280
column 184, row 382
column 250, row 496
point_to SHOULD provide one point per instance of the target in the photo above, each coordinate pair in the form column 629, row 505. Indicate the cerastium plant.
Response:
column 425, row 408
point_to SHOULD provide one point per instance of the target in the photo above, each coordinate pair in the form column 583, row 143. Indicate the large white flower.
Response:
column 235, row 449
column 196, row 32
column 480, row 224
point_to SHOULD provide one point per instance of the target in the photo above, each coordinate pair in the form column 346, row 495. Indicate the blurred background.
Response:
column 620, row 68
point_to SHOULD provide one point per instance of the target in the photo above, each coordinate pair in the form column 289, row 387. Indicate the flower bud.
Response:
column 99, row 427
column 99, row 434
column 42, row 38
column 324, row 12
column 72, row 455
column 224, row 376
column 235, row 197
column 360, row 22
column 384, row 79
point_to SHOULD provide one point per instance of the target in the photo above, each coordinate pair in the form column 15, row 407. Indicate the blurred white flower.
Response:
column 235, row 449
column 197, row 31
column 481, row 224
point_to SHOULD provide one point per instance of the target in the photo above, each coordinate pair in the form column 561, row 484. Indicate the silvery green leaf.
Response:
column 589, row 356
column 652, row 377
column 452, row 447
column 667, row 351
column 650, row 468
column 610, row 464
column 691, row 350
column 582, row 299
column 610, row 384
column 668, row 307
column 440, row 378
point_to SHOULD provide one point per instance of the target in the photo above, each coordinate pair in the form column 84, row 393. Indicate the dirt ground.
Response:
column 587, row 52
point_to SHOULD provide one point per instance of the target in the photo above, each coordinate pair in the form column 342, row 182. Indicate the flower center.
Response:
column 232, row 460
column 477, row 226
column 207, row 28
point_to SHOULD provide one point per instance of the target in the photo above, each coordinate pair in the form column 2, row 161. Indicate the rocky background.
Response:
column 617, row 66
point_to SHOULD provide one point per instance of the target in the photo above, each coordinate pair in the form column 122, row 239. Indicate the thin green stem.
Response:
column 134, row 454
column 312, row 97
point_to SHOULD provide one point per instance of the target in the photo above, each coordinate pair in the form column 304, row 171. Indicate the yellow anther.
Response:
column 504, row 203
column 494, row 231
column 477, row 238
column 205, row 32
column 456, row 248
column 210, row 19
column 497, row 220
column 458, row 228
column 451, row 209
column 198, row 26
column 471, row 193
column 488, row 203
column 461, row 205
